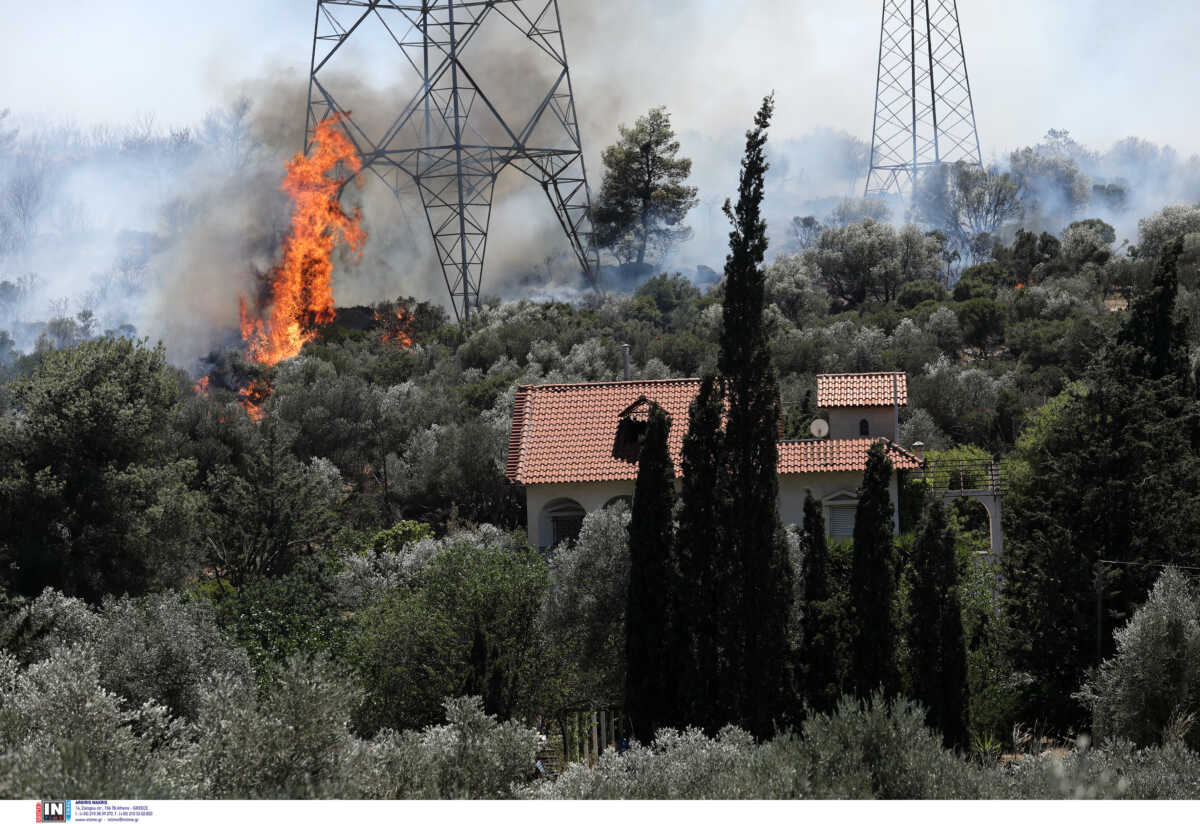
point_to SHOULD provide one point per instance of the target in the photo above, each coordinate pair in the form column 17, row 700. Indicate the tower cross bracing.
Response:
column 450, row 138
column 924, row 113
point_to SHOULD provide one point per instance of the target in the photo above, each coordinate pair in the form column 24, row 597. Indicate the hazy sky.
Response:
column 1100, row 68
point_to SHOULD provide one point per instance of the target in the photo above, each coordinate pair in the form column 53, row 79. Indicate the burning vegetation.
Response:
column 297, row 295
column 396, row 328
column 300, row 295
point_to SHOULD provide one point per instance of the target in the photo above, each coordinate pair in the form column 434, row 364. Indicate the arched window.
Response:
column 561, row 520
column 864, row 427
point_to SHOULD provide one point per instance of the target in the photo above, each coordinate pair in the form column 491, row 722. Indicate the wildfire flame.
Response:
column 397, row 329
column 301, row 296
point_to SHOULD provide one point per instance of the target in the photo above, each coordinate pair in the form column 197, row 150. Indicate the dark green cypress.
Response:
column 819, row 661
column 873, row 584
column 758, row 682
column 704, row 586
column 937, row 654
column 648, row 692
column 1155, row 339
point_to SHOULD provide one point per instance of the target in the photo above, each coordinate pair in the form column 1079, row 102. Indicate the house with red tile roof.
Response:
column 574, row 447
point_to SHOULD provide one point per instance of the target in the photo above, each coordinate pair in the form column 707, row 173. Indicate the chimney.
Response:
column 628, row 374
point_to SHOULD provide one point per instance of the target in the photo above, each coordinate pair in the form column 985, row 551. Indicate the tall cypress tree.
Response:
column 1154, row 340
column 819, row 661
column 703, row 600
column 648, row 626
column 759, row 681
column 872, row 583
column 937, row 655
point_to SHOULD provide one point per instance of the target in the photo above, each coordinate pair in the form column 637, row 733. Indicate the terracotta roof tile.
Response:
column 861, row 389
column 838, row 455
column 563, row 433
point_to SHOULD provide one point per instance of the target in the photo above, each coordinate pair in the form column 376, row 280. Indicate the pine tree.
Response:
column 937, row 654
column 872, row 583
column 643, row 200
column 819, row 661
column 703, row 603
column 759, row 678
column 649, row 634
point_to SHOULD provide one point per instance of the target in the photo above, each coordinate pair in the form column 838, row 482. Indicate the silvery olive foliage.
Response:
column 1149, row 691
column 365, row 576
column 148, row 699
column 160, row 649
column 584, row 609
column 63, row 733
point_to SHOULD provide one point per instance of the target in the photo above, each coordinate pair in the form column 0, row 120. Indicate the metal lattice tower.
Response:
column 924, row 114
column 450, row 138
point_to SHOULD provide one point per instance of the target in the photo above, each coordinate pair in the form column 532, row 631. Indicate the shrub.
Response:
column 62, row 735
column 399, row 536
column 468, row 625
column 877, row 749
column 863, row 750
column 918, row 291
column 293, row 741
column 31, row 629
column 275, row 618
column 160, row 649
column 584, row 610
column 1149, row 691
column 474, row 755
column 677, row 765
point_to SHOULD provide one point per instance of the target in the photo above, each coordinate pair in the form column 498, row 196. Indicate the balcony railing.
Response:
column 965, row 475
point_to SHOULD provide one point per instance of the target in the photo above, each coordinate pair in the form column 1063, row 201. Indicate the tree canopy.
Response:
column 643, row 199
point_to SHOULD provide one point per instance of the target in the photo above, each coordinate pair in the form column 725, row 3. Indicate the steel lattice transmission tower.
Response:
column 924, row 114
column 446, row 135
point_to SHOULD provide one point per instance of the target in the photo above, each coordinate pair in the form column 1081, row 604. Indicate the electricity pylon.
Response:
column 450, row 137
column 924, row 114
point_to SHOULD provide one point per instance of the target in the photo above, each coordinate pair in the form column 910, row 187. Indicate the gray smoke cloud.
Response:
column 149, row 227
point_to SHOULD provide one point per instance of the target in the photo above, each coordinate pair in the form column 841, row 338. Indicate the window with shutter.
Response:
column 841, row 521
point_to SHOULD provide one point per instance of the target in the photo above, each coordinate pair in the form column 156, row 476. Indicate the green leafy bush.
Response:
column 467, row 625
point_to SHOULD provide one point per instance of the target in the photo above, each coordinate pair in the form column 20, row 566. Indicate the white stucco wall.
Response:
column 843, row 423
column 593, row 496
column 590, row 496
column 793, row 488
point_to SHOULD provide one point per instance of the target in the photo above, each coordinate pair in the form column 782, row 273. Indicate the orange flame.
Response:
column 397, row 330
column 301, row 293
column 200, row 387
